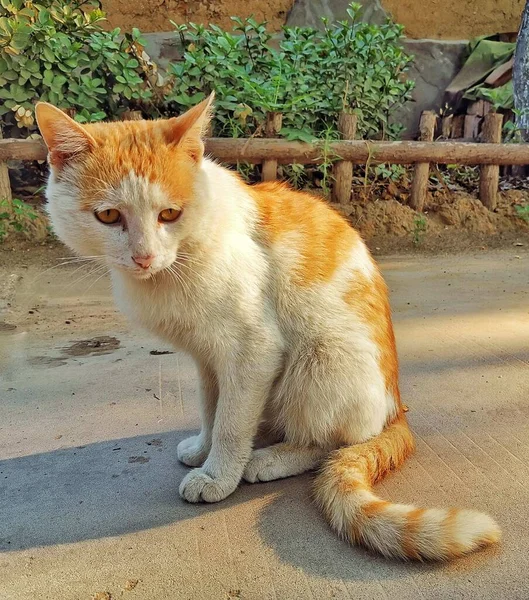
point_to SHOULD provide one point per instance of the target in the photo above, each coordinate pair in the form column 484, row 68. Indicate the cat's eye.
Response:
column 109, row 216
column 168, row 215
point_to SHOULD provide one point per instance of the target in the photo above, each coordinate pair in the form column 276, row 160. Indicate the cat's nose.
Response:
column 143, row 261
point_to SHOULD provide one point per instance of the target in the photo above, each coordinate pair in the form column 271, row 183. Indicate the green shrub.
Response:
column 17, row 217
column 522, row 210
column 57, row 51
column 309, row 77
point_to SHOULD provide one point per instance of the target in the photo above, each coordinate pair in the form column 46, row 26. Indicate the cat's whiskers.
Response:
column 105, row 272
column 190, row 271
column 74, row 260
column 70, row 260
column 94, row 271
column 179, row 280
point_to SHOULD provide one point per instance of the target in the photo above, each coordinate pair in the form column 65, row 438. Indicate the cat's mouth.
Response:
column 143, row 274
column 136, row 272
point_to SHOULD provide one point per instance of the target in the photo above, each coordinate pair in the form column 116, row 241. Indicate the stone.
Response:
column 308, row 13
column 435, row 64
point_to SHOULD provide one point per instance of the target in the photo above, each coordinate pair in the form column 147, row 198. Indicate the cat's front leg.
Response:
column 244, row 386
column 194, row 450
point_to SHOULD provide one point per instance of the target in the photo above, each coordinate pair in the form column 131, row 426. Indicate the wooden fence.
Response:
column 270, row 152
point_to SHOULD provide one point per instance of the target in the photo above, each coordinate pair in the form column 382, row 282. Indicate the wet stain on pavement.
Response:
column 96, row 346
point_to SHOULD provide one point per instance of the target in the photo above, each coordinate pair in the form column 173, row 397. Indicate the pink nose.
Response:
column 143, row 261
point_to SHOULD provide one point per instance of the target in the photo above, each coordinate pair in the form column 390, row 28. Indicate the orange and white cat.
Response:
column 279, row 302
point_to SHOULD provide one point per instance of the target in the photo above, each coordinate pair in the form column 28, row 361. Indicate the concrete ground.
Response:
column 90, row 419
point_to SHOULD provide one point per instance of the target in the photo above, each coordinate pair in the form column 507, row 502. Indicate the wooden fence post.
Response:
column 5, row 186
column 446, row 126
column 490, row 174
column 343, row 169
column 274, row 120
column 419, row 183
column 132, row 115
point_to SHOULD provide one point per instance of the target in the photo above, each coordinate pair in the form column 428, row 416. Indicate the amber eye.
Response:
column 169, row 214
column 109, row 216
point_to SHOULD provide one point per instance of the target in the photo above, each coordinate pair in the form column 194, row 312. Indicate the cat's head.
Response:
column 124, row 190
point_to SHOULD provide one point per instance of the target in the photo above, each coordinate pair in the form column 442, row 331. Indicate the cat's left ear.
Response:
column 65, row 138
column 187, row 130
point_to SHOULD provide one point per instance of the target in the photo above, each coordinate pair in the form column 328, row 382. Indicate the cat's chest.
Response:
column 189, row 318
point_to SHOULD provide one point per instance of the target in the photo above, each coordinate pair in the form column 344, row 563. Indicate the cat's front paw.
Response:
column 263, row 466
column 192, row 451
column 198, row 486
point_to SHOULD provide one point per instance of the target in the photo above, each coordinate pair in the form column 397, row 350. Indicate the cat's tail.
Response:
column 343, row 490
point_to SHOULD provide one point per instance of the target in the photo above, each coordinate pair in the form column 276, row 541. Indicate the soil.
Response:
column 452, row 222
column 155, row 15
column 453, row 19
column 438, row 19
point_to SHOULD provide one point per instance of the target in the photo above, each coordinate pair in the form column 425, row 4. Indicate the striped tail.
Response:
column 344, row 492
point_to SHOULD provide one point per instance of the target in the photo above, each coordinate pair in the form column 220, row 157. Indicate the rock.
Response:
column 435, row 64
column 308, row 13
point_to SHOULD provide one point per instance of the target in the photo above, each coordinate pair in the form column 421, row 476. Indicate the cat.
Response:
column 279, row 302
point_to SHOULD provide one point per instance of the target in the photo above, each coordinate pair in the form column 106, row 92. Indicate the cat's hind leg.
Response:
column 282, row 460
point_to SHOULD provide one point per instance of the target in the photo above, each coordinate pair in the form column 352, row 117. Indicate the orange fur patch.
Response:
column 452, row 548
column 372, row 460
column 414, row 521
column 369, row 299
column 325, row 238
column 351, row 483
column 375, row 507
column 138, row 146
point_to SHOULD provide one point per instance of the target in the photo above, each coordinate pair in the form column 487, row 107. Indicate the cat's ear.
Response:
column 66, row 139
column 187, row 130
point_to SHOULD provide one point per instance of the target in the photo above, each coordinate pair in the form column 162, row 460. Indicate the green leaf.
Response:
column 48, row 77
column 48, row 54
column 297, row 134
column 19, row 40
column 44, row 16
column 10, row 75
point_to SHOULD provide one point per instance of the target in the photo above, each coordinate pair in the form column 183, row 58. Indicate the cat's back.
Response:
column 307, row 237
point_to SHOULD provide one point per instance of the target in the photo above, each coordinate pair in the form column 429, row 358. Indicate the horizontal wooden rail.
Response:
column 258, row 149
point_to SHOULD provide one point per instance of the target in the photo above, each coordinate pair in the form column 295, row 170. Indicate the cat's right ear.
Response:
column 187, row 130
column 66, row 139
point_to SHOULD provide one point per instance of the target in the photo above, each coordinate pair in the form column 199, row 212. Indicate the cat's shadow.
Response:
column 121, row 486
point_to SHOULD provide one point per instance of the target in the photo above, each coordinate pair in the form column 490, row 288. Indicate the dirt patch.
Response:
column 97, row 346
column 453, row 19
column 18, row 254
column 449, row 19
column 155, row 15
column 47, row 361
column 451, row 222
column 130, row 584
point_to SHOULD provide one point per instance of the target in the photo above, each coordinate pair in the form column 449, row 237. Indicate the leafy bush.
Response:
column 522, row 210
column 20, row 218
column 57, row 51
column 310, row 77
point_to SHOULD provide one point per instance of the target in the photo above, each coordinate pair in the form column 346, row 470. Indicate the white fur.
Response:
column 263, row 344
